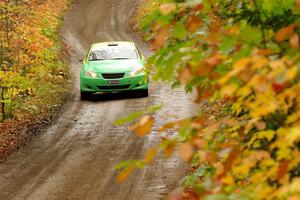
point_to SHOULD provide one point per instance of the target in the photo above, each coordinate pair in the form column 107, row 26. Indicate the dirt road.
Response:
column 74, row 158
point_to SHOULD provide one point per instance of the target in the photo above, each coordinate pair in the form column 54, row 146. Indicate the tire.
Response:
column 85, row 95
column 144, row 93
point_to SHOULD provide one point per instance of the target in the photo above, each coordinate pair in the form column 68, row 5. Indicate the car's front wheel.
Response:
column 85, row 95
column 144, row 93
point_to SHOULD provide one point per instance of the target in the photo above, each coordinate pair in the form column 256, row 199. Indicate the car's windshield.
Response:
column 113, row 53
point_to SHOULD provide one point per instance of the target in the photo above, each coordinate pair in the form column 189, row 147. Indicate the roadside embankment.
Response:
column 34, row 74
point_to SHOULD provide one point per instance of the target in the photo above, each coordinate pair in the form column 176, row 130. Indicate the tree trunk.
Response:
column 2, row 104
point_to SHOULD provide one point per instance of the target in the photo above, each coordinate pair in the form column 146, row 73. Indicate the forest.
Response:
column 32, row 60
column 242, row 60
column 33, row 67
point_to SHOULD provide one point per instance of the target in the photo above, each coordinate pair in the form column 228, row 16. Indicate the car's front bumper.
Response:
column 101, row 85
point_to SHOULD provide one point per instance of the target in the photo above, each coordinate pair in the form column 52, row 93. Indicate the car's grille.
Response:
column 113, row 87
column 113, row 76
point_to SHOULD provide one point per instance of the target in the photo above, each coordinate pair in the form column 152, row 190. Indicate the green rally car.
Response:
column 113, row 67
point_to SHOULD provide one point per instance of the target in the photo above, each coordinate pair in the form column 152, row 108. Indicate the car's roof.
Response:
column 99, row 45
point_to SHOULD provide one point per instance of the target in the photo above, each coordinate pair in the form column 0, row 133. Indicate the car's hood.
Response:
column 114, row 66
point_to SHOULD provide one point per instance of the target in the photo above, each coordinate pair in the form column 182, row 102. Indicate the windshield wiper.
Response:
column 96, row 59
column 120, row 58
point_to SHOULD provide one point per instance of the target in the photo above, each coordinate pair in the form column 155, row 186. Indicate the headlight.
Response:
column 136, row 70
column 90, row 74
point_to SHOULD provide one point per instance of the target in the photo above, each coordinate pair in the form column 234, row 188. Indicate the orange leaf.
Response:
column 208, row 157
column 200, row 143
column 282, row 169
column 284, row 33
column 193, row 23
column 198, row 122
column 260, row 125
column 144, row 126
column 185, row 75
column 231, row 31
column 169, row 149
column 123, row 175
column 203, row 70
column 214, row 60
column 175, row 194
column 294, row 197
column 159, row 38
column 150, row 155
column 186, row 151
column 203, row 94
column 227, row 164
column 294, row 41
column 199, row 7
column 173, row 125
column 167, row 126
column 265, row 52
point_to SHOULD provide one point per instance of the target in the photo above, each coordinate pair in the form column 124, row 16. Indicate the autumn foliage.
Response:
column 242, row 59
column 31, row 61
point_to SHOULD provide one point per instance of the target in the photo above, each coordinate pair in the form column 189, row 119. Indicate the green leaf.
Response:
column 154, row 109
column 135, row 163
column 179, row 31
column 130, row 118
column 249, row 34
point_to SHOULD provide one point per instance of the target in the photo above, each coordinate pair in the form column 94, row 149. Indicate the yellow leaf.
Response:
column 229, row 90
column 242, row 63
column 242, row 170
column 259, row 62
column 291, row 74
column 294, row 187
column 237, row 67
column 228, row 180
column 293, row 118
column 269, row 134
column 258, row 177
column 263, row 191
column 277, row 65
column 144, row 126
column 293, row 135
column 150, row 155
column 284, row 152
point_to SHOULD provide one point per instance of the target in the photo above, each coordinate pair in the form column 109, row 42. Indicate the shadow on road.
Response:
column 115, row 96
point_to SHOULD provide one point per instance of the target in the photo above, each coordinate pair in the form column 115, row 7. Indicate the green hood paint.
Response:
column 113, row 66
